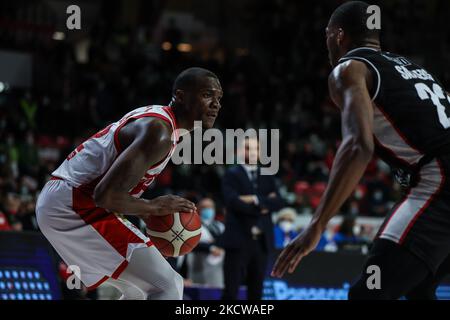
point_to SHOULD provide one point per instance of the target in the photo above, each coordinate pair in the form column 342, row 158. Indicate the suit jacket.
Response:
column 240, row 216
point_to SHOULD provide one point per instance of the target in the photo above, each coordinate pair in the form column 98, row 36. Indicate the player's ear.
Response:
column 179, row 96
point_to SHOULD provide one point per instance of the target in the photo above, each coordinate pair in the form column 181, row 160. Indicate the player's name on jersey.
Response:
column 414, row 74
column 401, row 61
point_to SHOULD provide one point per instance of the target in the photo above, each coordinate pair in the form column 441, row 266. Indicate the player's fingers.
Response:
column 294, row 263
column 184, row 208
column 283, row 261
column 277, row 263
column 284, row 267
column 178, row 199
column 184, row 200
column 187, row 203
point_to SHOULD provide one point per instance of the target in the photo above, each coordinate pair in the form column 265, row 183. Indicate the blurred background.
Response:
column 59, row 86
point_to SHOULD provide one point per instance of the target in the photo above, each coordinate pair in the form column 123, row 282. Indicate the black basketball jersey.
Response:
column 411, row 109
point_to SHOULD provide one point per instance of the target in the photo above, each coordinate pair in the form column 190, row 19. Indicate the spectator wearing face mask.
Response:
column 284, row 229
column 346, row 237
column 205, row 263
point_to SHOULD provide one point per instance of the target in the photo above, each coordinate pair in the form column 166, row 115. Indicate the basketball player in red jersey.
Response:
column 108, row 173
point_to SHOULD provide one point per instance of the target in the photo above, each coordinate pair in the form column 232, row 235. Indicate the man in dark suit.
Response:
column 250, row 198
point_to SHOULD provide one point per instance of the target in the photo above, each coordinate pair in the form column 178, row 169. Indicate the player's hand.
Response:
column 249, row 199
column 170, row 204
column 272, row 195
column 216, row 251
column 301, row 246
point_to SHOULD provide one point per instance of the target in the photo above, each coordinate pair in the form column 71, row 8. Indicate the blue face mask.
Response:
column 207, row 214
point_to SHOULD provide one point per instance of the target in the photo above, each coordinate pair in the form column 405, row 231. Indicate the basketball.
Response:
column 174, row 234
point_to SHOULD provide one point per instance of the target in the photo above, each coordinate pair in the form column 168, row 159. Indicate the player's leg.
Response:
column 60, row 212
column 78, row 244
column 427, row 289
column 150, row 272
column 400, row 272
column 233, row 269
column 128, row 290
column 413, row 241
column 432, row 227
column 256, row 270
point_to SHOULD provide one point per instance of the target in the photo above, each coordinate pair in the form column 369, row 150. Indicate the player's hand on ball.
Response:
column 301, row 246
column 170, row 204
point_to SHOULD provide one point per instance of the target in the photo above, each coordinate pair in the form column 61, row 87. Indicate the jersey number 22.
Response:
column 436, row 94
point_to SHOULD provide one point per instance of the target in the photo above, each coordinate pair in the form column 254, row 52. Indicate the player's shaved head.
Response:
column 196, row 95
column 352, row 17
column 190, row 77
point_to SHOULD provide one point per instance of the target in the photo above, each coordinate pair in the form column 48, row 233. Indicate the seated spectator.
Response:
column 26, row 213
column 284, row 229
column 4, row 223
column 206, row 261
column 346, row 238
column 9, row 211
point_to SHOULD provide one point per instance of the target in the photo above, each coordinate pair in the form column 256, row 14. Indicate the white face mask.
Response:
column 286, row 226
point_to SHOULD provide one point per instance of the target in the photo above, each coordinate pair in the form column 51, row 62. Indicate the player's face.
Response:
column 332, row 45
column 206, row 101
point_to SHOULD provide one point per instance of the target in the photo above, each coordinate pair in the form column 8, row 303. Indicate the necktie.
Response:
column 254, row 179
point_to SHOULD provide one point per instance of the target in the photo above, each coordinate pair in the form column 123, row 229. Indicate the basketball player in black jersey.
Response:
column 396, row 109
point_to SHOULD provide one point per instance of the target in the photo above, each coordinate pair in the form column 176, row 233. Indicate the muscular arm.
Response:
column 149, row 142
column 348, row 89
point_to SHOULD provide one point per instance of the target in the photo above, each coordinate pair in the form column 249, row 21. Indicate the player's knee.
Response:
column 179, row 285
column 175, row 285
column 422, row 293
column 169, row 284
column 133, row 295
column 40, row 216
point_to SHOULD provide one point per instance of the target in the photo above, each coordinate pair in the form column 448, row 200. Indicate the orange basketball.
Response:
column 174, row 234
